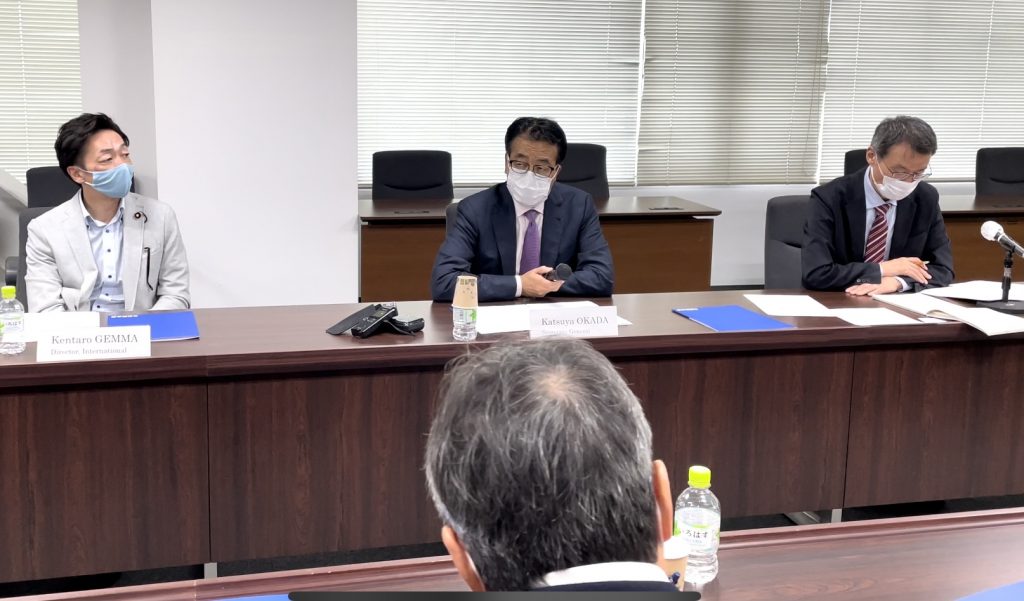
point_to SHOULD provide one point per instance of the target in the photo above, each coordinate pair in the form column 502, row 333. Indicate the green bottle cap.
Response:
column 700, row 477
column 8, row 292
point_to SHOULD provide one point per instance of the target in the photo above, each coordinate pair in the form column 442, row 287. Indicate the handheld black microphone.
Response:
column 559, row 274
column 990, row 230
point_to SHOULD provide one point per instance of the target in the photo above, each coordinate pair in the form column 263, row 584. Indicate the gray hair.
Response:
column 899, row 129
column 539, row 458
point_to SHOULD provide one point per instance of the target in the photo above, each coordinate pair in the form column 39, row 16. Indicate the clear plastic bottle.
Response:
column 12, row 321
column 464, row 306
column 698, row 519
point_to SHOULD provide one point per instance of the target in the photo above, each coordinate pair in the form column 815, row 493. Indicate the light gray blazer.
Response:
column 61, row 270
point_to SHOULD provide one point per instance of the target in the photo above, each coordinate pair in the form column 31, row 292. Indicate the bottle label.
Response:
column 700, row 528
column 12, row 324
column 462, row 317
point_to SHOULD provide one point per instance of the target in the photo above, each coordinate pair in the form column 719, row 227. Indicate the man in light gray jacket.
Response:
column 107, row 248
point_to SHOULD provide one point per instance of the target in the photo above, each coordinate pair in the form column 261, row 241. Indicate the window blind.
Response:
column 452, row 75
column 955, row 64
column 40, row 85
column 731, row 91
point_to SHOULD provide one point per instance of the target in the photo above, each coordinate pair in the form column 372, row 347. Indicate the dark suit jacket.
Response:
column 833, row 251
column 483, row 243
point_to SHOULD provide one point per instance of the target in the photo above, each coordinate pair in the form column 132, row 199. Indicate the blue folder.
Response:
column 731, row 318
column 1013, row 592
column 163, row 325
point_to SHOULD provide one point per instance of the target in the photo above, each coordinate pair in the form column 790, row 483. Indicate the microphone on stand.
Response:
column 990, row 230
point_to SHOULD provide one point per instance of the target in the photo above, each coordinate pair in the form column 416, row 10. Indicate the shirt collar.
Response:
column 522, row 209
column 118, row 216
column 617, row 571
column 872, row 198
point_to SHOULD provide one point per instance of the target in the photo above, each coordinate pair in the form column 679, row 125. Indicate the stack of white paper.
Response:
column 992, row 323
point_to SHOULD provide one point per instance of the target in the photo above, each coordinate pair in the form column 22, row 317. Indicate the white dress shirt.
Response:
column 872, row 200
column 617, row 571
column 523, row 222
column 107, row 241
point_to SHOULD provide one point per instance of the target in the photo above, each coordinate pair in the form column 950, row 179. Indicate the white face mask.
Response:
column 528, row 189
column 894, row 189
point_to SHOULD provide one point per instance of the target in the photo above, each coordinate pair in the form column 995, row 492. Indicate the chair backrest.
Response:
column 855, row 160
column 48, row 186
column 412, row 174
column 783, row 241
column 450, row 213
column 586, row 167
column 999, row 171
column 23, row 218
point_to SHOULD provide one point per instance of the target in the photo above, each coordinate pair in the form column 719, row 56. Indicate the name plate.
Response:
column 91, row 344
column 579, row 322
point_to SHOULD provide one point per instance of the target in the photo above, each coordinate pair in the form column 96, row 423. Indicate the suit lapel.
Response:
column 503, row 223
column 131, row 251
column 78, row 241
column 857, row 213
column 551, row 232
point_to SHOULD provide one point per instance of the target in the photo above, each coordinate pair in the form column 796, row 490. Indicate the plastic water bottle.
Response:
column 12, row 321
column 464, row 306
column 698, row 519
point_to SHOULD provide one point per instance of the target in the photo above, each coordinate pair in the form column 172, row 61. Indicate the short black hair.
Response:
column 540, row 129
column 75, row 134
column 912, row 130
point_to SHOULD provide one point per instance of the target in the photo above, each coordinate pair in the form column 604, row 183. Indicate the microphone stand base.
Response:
column 1005, row 306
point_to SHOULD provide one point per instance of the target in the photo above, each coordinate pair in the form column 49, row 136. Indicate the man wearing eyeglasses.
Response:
column 880, row 230
column 513, row 234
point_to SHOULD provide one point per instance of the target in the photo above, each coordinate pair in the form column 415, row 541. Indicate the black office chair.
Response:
column 15, row 267
column 412, row 174
column 450, row 213
column 855, row 160
column 999, row 172
column 586, row 167
column 48, row 186
column 783, row 241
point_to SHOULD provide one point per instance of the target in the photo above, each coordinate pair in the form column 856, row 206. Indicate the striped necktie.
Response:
column 874, row 250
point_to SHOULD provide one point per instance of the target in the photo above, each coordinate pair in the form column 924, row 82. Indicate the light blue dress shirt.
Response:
column 872, row 200
column 107, row 241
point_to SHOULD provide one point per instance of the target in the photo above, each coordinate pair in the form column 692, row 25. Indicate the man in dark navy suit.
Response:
column 514, row 233
column 539, row 462
column 880, row 230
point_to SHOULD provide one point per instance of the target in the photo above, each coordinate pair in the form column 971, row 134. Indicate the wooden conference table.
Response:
column 658, row 244
column 270, row 438
column 931, row 558
column 975, row 258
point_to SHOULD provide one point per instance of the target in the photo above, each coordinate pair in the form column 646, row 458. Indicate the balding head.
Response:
column 539, row 459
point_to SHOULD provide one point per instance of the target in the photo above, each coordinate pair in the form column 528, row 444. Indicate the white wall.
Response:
column 255, row 112
column 116, row 51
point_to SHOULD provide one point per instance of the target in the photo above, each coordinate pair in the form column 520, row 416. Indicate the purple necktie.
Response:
column 531, row 244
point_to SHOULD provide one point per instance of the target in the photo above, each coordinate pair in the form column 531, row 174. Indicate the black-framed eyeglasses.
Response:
column 908, row 176
column 538, row 170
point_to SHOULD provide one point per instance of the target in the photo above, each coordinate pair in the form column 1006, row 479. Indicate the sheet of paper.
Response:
column 874, row 316
column 788, row 305
column 516, row 318
column 977, row 290
column 55, row 322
